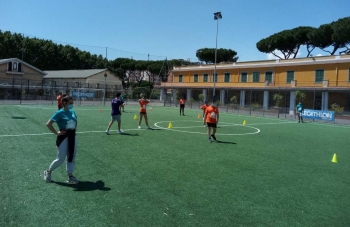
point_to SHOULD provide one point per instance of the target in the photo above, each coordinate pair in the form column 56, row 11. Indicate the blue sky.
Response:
column 165, row 28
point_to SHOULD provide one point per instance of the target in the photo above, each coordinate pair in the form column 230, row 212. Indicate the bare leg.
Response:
column 141, row 115
column 109, row 125
column 146, row 120
column 119, row 123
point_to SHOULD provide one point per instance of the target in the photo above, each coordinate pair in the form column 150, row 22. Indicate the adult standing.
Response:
column 66, row 120
column 182, row 106
column 211, row 118
column 299, row 109
column 116, row 105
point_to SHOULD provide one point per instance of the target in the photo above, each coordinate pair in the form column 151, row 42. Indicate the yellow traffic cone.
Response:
column 335, row 159
column 244, row 122
column 135, row 117
column 199, row 116
column 170, row 125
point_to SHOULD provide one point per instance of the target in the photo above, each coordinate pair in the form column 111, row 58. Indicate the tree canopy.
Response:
column 207, row 55
column 335, row 35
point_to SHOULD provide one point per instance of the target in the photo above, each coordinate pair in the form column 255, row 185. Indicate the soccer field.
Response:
column 269, row 172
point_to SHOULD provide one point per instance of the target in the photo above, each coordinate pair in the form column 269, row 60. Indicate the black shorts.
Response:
column 182, row 105
column 144, row 113
column 211, row 125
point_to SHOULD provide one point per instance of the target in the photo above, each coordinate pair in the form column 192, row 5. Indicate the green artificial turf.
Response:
column 269, row 172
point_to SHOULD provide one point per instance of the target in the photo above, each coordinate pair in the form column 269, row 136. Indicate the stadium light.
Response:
column 104, row 95
column 217, row 16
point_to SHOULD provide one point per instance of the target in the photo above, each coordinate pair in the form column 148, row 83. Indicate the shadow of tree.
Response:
column 85, row 186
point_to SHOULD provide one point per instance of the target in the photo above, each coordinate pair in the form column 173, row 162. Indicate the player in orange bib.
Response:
column 59, row 101
column 143, row 103
column 211, row 118
column 204, row 107
column 182, row 106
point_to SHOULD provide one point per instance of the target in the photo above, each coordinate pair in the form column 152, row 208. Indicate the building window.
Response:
column 290, row 76
column 319, row 76
column 268, row 77
column 9, row 66
column 195, row 78
column 256, row 76
column 227, row 77
column 215, row 77
column 14, row 66
column 205, row 77
column 180, row 78
column 244, row 77
column 19, row 67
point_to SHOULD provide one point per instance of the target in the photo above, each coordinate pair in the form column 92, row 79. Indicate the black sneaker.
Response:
column 213, row 136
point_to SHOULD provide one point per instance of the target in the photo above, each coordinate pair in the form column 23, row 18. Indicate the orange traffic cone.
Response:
column 199, row 116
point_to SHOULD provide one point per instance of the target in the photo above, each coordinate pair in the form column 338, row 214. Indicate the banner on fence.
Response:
column 83, row 94
column 319, row 115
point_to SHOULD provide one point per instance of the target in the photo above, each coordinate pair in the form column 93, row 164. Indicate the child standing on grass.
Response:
column 116, row 104
column 143, row 104
column 66, row 121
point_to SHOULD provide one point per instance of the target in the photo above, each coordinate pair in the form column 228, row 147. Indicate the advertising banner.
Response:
column 318, row 115
column 83, row 94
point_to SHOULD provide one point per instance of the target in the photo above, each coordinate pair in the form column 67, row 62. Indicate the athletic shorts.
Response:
column 116, row 118
column 144, row 113
column 182, row 105
column 211, row 125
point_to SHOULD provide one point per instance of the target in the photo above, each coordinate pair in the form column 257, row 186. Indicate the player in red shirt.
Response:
column 143, row 103
column 182, row 106
column 211, row 118
column 59, row 101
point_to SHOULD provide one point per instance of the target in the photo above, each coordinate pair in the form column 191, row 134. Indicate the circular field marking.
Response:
column 222, row 124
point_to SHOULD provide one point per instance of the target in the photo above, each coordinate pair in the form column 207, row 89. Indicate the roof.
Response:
column 83, row 73
column 269, row 63
column 3, row 61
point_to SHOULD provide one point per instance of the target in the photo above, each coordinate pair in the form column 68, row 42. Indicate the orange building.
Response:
column 324, row 79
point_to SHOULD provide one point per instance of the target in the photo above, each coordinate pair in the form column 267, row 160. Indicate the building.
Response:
column 325, row 80
column 18, row 77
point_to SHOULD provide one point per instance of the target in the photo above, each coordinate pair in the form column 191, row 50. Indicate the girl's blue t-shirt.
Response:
column 65, row 119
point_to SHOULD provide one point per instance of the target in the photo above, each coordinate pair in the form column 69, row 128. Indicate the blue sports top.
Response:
column 65, row 119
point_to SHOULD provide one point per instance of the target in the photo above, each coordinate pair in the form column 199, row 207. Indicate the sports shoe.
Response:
column 72, row 180
column 47, row 176
column 107, row 132
column 209, row 140
column 213, row 136
column 139, row 127
column 149, row 127
column 120, row 131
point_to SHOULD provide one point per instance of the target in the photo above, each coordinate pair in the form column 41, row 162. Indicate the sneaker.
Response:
column 72, row 180
column 107, row 132
column 213, row 136
column 209, row 140
column 120, row 131
column 47, row 176
column 139, row 127
column 149, row 127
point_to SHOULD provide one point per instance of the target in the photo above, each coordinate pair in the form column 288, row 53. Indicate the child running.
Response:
column 211, row 117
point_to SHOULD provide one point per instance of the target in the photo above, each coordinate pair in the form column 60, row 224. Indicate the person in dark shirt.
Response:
column 116, row 105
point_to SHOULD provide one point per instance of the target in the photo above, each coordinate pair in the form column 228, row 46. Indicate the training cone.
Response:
column 244, row 122
column 199, row 116
column 100, row 110
column 254, row 116
column 335, row 159
column 135, row 117
column 170, row 125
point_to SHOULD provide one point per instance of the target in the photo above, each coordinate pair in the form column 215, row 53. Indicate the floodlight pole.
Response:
column 217, row 16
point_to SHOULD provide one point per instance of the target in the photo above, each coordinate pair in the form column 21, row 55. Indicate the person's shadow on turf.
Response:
column 218, row 141
column 86, row 186
column 129, row 134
